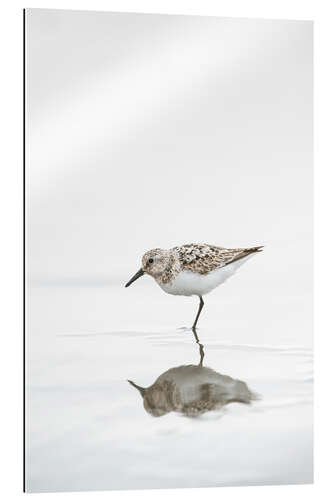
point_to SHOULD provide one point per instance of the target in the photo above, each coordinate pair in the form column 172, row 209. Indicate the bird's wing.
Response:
column 202, row 258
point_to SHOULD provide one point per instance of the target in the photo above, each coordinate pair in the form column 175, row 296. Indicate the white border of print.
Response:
column 11, row 232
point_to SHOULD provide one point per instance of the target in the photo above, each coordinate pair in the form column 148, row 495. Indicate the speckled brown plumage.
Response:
column 203, row 258
column 165, row 265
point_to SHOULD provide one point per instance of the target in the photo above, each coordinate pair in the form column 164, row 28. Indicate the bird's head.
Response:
column 154, row 262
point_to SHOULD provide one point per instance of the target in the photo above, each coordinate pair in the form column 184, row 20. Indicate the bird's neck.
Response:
column 170, row 271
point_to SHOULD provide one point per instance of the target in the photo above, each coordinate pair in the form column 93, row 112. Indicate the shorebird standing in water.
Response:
column 194, row 269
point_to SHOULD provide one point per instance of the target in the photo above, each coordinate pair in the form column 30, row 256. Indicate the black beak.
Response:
column 140, row 389
column 135, row 277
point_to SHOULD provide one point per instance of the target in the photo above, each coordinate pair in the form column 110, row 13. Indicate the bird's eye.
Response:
column 150, row 260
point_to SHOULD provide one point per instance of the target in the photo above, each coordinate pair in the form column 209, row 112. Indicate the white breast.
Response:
column 189, row 283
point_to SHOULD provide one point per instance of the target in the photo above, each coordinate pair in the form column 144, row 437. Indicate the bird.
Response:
column 193, row 390
column 192, row 269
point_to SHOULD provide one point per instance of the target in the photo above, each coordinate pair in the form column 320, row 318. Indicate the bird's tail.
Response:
column 254, row 249
column 246, row 252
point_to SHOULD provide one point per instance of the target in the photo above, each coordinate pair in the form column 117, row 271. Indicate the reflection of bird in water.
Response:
column 193, row 269
column 192, row 390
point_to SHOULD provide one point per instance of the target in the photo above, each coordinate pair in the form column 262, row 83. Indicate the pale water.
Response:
column 87, row 428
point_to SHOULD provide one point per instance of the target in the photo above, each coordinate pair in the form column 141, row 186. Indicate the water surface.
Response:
column 231, row 405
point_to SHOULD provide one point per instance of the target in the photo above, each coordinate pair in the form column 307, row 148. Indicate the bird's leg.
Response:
column 201, row 347
column 201, row 304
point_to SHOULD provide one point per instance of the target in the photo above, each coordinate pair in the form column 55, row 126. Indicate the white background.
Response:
column 11, row 210
column 206, row 122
